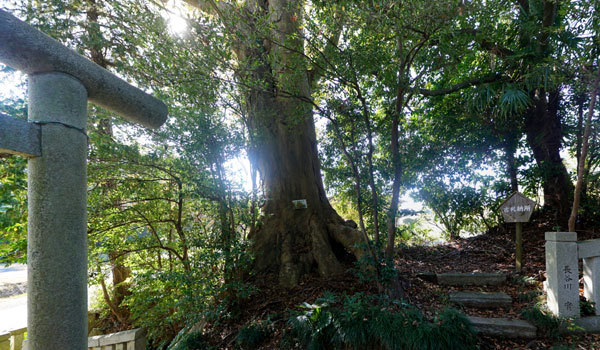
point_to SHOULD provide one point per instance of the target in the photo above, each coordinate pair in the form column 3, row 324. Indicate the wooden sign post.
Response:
column 518, row 209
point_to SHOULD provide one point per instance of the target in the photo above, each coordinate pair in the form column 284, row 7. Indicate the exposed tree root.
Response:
column 304, row 242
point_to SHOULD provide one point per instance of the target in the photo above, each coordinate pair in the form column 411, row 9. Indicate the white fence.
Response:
column 12, row 340
column 134, row 339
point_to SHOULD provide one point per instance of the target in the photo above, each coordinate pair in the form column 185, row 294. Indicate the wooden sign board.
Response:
column 517, row 208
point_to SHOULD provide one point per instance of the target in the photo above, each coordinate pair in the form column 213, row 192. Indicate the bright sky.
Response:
column 175, row 16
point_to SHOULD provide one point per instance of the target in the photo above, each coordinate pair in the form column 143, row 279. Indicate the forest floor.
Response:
column 489, row 252
column 492, row 252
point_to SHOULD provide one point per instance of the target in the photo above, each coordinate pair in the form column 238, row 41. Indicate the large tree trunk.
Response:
column 544, row 135
column 294, row 241
column 290, row 241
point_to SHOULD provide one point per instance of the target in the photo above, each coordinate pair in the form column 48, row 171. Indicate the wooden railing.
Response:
column 12, row 340
column 134, row 339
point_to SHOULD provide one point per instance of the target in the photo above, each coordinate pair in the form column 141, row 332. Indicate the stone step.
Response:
column 481, row 299
column 470, row 279
column 505, row 327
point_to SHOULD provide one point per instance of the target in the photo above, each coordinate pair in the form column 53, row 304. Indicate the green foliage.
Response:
column 191, row 341
column 412, row 230
column 165, row 301
column 458, row 206
column 13, row 211
column 164, row 204
column 366, row 322
column 253, row 335
column 529, row 296
column 524, row 280
column 376, row 268
column 587, row 308
column 13, row 197
column 543, row 319
column 563, row 347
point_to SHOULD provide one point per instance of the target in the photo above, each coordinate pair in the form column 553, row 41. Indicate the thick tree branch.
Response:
column 459, row 86
column 496, row 49
column 217, row 8
column 549, row 16
column 524, row 4
column 489, row 46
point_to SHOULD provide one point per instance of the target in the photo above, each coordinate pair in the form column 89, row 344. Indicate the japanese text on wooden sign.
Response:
column 517, row 208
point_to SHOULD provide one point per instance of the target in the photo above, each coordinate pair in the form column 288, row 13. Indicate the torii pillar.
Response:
column 60, row 84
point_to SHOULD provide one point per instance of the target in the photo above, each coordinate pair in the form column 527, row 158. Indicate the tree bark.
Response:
column 544, row 135
column 293, row 241
column 373, row 187
column 584, row 150
column 393, row 209
column 579, row 101
column 290, row 241
column 510, row 148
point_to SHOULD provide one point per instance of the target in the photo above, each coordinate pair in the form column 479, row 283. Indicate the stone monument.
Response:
column 562, row 274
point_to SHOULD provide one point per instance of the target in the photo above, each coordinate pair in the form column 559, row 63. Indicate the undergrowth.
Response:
column 254, row 335
column 191, row 341
column 372, row 322
column 543, row 319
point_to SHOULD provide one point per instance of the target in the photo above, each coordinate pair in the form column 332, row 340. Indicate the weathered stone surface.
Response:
column 121, row 337
column 471, row 279
column 562, row 274
column 5, row 341
column 505, row 327
column 57, row 98
column 481, row 299
column 591, row 281
column 12, row 340
column 561, row 236
column 19, row 137
column 57, row 240
column 589, row 324
column 18, row 336
column 134, row 339
column 589, row 248
column 31, row 51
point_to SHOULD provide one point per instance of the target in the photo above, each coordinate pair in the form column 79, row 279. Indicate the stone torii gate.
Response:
column 55, row 141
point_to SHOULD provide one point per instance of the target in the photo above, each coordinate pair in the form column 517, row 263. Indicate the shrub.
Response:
column 252, row 336
column 587, row 308
column 191, row 341
column 366, row 322
column 543, row 320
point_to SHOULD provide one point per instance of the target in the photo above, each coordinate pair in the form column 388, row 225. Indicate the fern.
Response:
column 366, row 322
column 512, row 101
column 253, row 335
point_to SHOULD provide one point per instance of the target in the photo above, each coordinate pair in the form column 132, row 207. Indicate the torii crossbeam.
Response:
column 60, row 84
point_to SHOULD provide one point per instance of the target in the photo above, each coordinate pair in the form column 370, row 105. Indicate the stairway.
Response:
column 505, row 327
